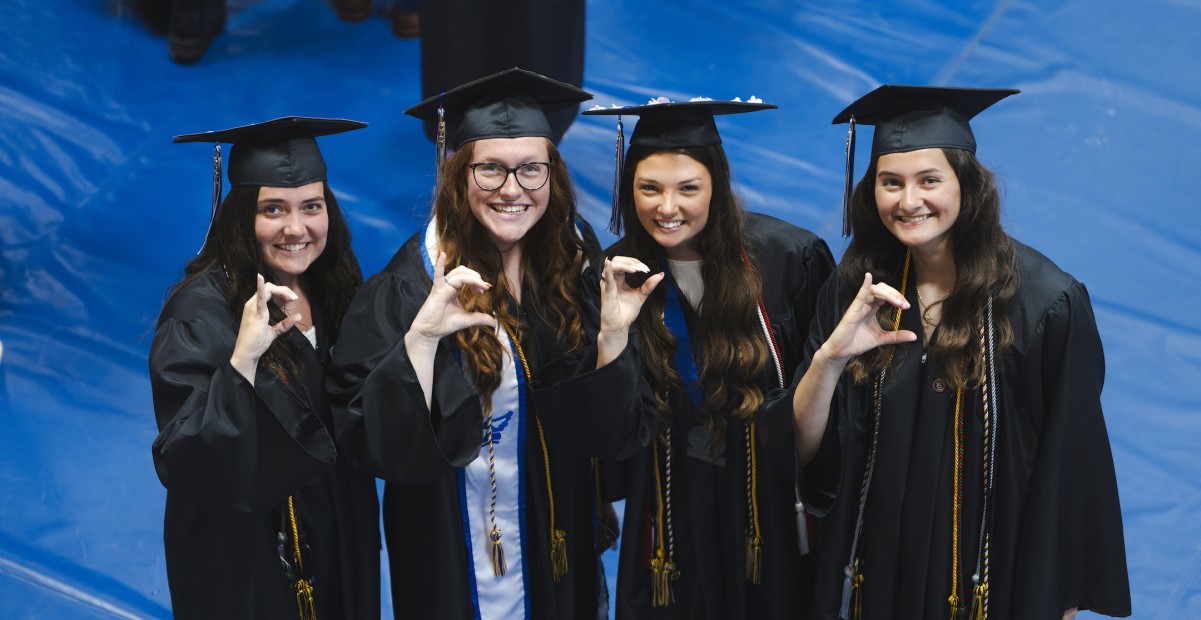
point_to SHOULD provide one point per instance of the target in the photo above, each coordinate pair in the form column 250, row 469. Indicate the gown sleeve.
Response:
column 823, row 475
column 809, row 266
column 382, row 422
column 222, row 441
column 606, row 412
column 1071, row 551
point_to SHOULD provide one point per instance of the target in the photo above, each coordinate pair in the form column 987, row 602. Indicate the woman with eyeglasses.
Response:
column 480, row 372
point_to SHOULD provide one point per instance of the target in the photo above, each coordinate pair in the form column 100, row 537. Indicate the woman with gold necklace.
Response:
column 949, row 412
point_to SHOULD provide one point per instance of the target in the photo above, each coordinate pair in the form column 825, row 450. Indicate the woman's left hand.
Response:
column 620, row 303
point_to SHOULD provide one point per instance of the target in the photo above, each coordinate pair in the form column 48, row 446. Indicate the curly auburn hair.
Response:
column 552, row 258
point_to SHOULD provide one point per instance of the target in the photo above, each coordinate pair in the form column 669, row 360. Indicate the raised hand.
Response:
column 621, row 303
column 859, row 331
column 441, row 314
column 256, row 332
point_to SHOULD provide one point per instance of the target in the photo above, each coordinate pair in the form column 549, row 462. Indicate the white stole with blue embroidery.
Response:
column 495, row 597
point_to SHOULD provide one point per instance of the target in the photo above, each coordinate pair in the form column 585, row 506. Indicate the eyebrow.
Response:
column 642, row 179
column 918, row 174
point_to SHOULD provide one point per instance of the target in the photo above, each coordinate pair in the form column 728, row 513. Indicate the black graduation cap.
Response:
column 277, row 153
column 909, row 118
column 509, row 104
column 670, row 125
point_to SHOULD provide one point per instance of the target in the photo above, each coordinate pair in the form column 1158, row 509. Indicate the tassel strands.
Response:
column 440, row 144
column 615, row 216
column 499, row 566
column 303, row 588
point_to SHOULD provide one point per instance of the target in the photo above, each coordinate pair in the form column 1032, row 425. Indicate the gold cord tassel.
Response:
column 499, row 568
column 558, row 554
column 754, row 558
column 660, row 595
column 978, row 612
column 304, row 600
column 956, row 610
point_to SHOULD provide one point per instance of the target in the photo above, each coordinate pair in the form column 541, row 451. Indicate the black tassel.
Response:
column 849, row 181
column 615, row 216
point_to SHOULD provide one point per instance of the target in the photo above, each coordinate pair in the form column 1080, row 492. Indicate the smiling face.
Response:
column 509, row 211
column 672, row 192
column 291, row 225
column 917, row 197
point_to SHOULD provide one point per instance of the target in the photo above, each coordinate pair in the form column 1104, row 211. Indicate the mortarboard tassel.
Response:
column 440, row 143
column 216, row 193
column 615, row 217
column 216, row 178
column 558, row 554
column 499, row 568
column 850, row 174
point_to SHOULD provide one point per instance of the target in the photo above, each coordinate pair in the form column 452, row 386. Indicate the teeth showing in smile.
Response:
column 509, row 208
column 292, row 247
column 913, row 219
column 669, row 225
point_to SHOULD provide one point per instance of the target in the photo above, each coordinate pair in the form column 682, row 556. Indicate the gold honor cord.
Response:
column 558, row 538
column 303, row 589
column 663, row 565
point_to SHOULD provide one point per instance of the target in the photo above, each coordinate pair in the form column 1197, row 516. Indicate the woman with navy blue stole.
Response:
column 949, row 411
column 265, row 518
column 480, row 372
column 713, row 527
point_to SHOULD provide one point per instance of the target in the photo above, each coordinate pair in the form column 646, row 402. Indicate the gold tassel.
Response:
column 978, row 603
column 852, row 594
column 953, row 601
column 304, row 600
column 659, row 575
column 558, row 554
column 499, row 568
column 754, row 558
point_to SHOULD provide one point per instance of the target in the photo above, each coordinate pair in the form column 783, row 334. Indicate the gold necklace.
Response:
column 926, row 320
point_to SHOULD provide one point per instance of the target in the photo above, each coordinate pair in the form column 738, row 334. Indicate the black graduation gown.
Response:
column 383, row 422
column 230, row 454
column 708, row 504
column 1057, row 541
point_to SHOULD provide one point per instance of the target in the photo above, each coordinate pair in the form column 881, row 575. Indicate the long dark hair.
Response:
column 552, row 257
column 231, row 246
column 985, row 264
column 733, row 350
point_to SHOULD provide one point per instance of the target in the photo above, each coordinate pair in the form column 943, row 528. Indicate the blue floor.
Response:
column 99, row 212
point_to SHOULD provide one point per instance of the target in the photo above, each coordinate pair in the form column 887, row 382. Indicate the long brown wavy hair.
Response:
column 733, row 350
column 985, row 264
column 552, row 257
column 231, row 246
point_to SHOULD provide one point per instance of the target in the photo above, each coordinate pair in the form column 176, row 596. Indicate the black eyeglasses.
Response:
column 530, row 175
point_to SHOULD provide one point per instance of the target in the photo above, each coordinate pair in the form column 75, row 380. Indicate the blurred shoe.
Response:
column 406, row 24
column 192, row 30
column 353, row 10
